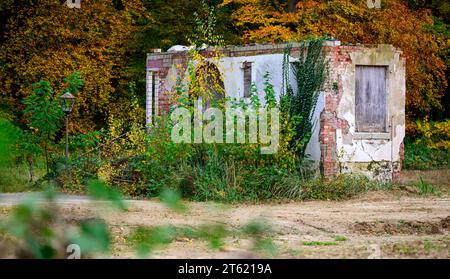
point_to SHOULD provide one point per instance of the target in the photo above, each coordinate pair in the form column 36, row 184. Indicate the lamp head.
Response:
column 67, row 101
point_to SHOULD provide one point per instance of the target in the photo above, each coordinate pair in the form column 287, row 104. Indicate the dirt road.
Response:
column 377, row 224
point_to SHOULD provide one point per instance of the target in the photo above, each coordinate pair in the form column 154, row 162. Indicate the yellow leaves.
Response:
column 434, row 134
column 55, row 41
column 221, row 193
column 269, row 34
column 107, row 172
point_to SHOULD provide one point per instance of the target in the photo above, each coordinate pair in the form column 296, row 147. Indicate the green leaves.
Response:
column 75, row 83
column 99, row 190
column 254, row 98
column 146, row 240
column 43, row 233
column 269, row 92
column 30, row 223
column 44, row 114
column 93, row 236
column 16, row 146
column 43, row 110
column 172, row 199
column 214, row 234
column 204, row 31
column 8, row 139
column 309, row 73
column 258, row 230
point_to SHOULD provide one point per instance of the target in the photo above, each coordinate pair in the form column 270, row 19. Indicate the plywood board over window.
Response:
column 371, row 98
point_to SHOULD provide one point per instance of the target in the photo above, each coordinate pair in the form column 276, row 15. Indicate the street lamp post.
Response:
column 67, row 101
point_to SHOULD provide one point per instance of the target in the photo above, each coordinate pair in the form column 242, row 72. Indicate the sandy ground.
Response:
column 374, row 225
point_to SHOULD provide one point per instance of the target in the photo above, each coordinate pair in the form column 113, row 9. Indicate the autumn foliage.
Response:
column 47, row 40
column 106, row 41
column 353, row 22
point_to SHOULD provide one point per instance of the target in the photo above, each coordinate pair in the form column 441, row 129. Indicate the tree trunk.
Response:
column 30, row 167
column 292, row 5
column 46, row 156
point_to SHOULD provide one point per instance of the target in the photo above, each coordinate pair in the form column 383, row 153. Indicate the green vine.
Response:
column 299, row 105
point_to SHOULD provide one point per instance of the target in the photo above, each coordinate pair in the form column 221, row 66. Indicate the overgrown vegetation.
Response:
column 118, row 149
column 138, row 163
column 299, row 104
column 430, row 146
column 146, row 164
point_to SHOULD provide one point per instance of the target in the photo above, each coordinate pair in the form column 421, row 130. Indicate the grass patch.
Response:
column 341, row 187
column 15, row 179
column 340, row 238
column 425, row 188
column 319, row 243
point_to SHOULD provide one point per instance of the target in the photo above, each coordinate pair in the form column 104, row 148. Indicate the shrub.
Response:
column 419, row 156
column 45, row 115
column 18, row 158
column 430, row 146
column 435, row 135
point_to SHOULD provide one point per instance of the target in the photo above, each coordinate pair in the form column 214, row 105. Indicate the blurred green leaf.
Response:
column 147, row 239
column 99, row 190
column 266, row 245
column 256, row 227
column 172, row 199
column 213, row 234
column 93, row 236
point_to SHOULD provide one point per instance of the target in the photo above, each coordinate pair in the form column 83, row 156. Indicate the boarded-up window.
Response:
column 247, row 66
column 371, row 95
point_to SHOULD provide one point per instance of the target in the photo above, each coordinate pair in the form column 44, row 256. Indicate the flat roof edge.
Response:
column 263, row 47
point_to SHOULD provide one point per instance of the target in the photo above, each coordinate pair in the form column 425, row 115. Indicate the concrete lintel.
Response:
column 371, row 136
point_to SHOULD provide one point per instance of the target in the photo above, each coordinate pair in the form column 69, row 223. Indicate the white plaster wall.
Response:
column 233, row 77
column 233, row 74
column 313, row 147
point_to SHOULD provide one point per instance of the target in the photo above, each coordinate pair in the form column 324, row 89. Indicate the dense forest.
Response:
column 107, row 41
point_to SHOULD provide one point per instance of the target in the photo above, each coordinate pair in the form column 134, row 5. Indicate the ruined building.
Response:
column 360, row 112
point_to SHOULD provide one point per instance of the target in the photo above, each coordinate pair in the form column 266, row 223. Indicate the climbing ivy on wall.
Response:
column 299, row 103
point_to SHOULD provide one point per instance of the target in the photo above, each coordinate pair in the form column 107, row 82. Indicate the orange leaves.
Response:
column 270, row 33
column 354, row 22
